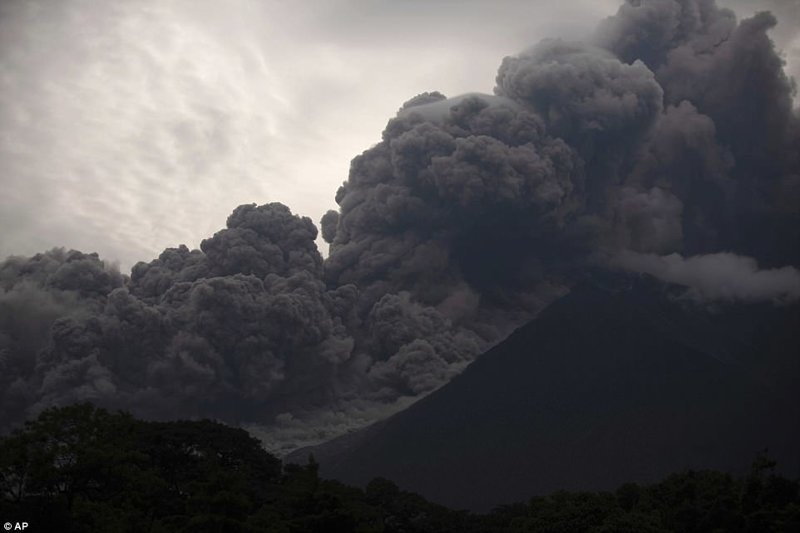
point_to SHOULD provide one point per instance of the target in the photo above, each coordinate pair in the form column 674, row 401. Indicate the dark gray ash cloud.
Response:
column 666, row 146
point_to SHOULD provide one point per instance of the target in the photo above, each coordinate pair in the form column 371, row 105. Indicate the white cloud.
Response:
column 128, row 128
column 718, row 277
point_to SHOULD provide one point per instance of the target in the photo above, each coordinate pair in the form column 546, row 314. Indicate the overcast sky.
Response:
column 127, row 127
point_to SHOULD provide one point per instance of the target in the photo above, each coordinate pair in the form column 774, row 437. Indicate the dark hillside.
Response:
column 616, row 382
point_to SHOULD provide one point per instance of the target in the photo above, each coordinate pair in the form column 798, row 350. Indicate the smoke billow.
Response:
column 736, row 160
column 39, row 297
column 668, row 145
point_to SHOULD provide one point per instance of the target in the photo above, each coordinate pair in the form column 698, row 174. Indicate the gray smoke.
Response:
column 666, row 146
column 739, row 160
column 37, row 295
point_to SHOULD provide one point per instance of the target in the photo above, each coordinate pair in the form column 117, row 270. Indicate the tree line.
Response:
column 82, row 468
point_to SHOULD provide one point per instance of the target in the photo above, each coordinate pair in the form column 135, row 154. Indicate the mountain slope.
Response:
column 609, row 384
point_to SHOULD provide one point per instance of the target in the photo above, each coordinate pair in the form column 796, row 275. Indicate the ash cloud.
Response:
column 730, row 74
column 37, row 296
column 666, row 141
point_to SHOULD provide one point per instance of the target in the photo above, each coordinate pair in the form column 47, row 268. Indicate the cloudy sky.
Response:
column 127, row 127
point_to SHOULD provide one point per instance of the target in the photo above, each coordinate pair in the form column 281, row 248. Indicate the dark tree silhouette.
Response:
column 81, row 468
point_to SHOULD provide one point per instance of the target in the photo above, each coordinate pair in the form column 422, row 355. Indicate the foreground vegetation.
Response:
column 81, row 468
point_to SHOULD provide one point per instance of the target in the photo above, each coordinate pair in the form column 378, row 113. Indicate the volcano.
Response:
column 623, row 379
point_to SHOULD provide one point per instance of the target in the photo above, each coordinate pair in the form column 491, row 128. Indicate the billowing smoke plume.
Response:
column 729, row 151
column 36, row 294
column 671, row 133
